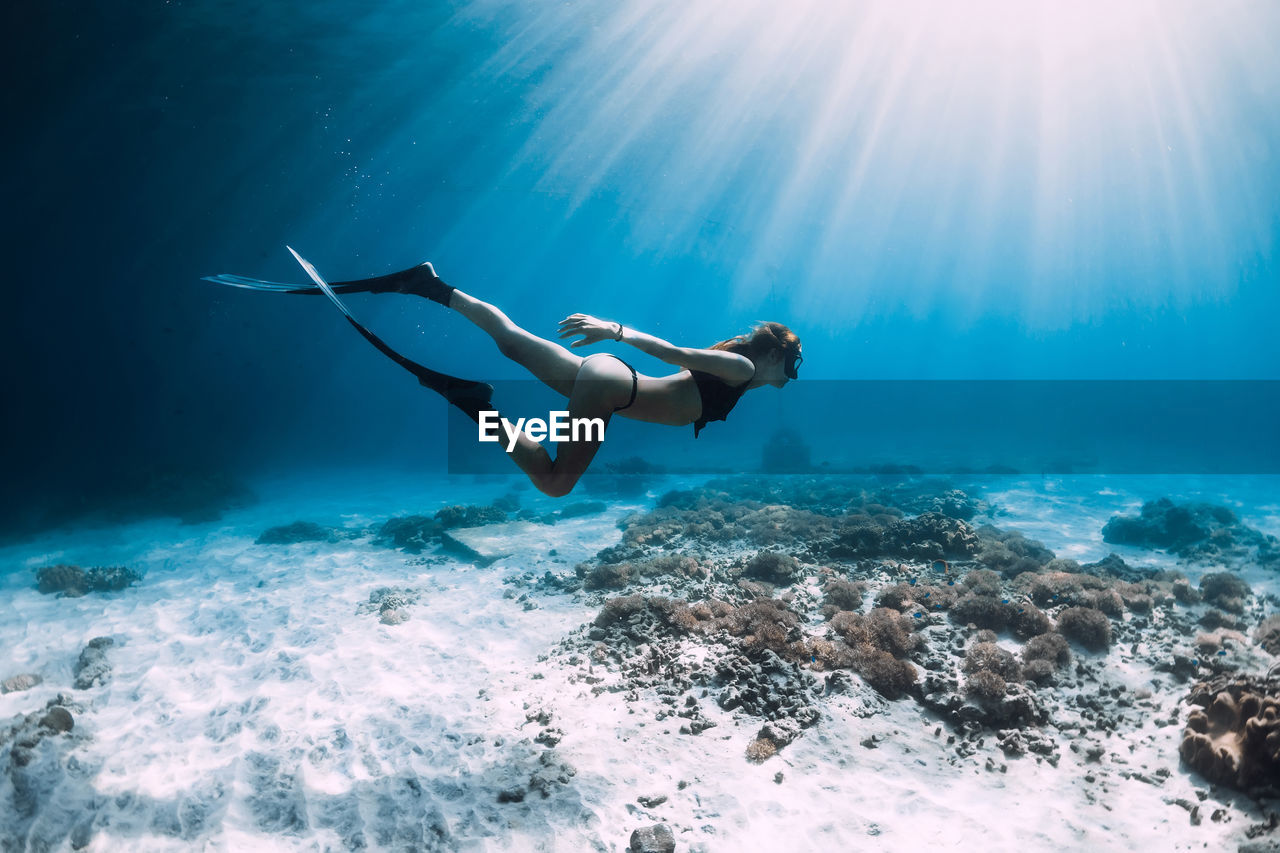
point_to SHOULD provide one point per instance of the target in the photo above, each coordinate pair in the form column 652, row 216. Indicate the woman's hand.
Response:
column 592, row 329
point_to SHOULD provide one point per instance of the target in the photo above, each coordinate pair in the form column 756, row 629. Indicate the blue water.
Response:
column 1019, row 192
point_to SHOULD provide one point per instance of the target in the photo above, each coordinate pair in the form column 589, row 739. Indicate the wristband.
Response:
column 618, row 337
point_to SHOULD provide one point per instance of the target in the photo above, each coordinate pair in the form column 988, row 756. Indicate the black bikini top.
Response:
column 718, row 397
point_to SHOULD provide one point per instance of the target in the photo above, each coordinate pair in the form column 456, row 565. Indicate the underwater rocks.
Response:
column 18, row 683
column 773, row 567
column 1010, row 553
column 646, row 635
column 608, row 575
column 298, row 531
column 652, row 839
column 390, row 604
column 1089, row 627
column 469, row 516
column 581, row 508
column 73, row 581
column 412, row 533
column 1225, row 590
column 1192, row 531
column 836, row 496
column 41, row 792
column 417, row 533
column 930, row 536
column 1235, row 739
column 92, row 668
column 828, row 522
column 1267, row 634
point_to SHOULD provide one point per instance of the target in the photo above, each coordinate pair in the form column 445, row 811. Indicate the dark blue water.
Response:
column 995, row 196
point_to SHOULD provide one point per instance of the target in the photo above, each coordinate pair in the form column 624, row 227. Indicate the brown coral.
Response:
column 1086, row 626
column 992, row 658
column 986, row 686
column 1235, row 740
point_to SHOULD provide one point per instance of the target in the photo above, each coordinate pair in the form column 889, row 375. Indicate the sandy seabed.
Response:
column 256, row 699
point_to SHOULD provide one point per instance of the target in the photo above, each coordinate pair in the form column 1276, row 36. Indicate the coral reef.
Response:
column 842, row 594
column 619, row 575
column 73, row 581
column 985, row 640
column 459, row 515
column 390, row 604
column 773, row 567
column 92, row 668
column 298, row 531
column 1234, row 738
column 652, row 839
column 579, row 509
column 1225, row 590
column 413, row 533
column 1089, row 627
column 1009, row 552
column 1193, row 531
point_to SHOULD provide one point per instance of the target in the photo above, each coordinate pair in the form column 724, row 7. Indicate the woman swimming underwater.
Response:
column 708, row 386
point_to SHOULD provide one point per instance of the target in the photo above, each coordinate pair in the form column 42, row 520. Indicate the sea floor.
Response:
column 257, row 699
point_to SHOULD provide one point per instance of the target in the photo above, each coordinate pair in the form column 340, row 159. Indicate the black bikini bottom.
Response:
column 635, row 383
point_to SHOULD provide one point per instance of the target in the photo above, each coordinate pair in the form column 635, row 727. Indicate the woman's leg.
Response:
column 551, row 363
column 602, row 384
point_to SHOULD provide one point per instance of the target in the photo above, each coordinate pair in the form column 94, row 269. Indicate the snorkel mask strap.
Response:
column 792, row 364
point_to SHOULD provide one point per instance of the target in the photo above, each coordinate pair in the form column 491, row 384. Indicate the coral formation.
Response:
column 1050, row 647
column 1193, row 531
column 1089, row 627
column 390, row 604
column 413, row 533
column 1225, row 590
column 984, row 640
column 469, row 516
column 773, row 567
column 92, row 668
column 1233, row 739
column 841, row 594
column 986, row 686
column 992, row 658
column 1009, row 552
column 73, row 581
column 298, row 531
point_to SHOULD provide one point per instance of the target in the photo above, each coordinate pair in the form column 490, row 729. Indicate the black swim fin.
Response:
column 419, row 281
column 470, row 397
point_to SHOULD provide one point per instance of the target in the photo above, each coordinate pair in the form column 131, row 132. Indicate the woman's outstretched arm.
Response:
column 729, row 366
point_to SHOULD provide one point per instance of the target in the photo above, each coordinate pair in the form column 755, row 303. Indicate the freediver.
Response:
column 707, row 387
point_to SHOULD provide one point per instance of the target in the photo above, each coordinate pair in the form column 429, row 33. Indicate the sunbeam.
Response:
column 1046, row 161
